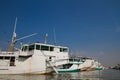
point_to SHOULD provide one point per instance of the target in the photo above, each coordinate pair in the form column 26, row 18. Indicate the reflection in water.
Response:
column 87, row 75
column 25, row 77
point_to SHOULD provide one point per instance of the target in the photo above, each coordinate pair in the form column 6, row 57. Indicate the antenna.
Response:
column 15, row 24
column 54, row 36
column 46, row 38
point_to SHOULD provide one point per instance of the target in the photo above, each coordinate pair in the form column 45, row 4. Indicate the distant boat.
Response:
column 35, row 58
column 77, row 64
column 90, row 64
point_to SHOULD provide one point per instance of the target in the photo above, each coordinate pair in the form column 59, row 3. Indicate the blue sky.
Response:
column 88, row 27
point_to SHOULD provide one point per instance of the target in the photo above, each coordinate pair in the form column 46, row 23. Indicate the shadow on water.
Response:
column 87, row 75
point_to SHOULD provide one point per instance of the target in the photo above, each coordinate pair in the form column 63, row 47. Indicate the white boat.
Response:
column 72, row 66
column 90, row 64
column 98, row 65
column 36, row 58
column 77, row 64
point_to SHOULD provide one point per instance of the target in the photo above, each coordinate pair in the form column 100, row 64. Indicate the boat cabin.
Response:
column 43, row 47
column 28, row 49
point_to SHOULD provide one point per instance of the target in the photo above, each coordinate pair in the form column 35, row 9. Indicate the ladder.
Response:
column 53, row 67
column 51, row 64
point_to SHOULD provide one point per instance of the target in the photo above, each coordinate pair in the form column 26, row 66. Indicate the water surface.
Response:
column 88, row 75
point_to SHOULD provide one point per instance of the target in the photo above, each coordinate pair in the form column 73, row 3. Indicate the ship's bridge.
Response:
column 28, row 49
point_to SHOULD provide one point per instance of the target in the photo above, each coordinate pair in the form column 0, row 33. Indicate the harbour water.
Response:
column 87, row 75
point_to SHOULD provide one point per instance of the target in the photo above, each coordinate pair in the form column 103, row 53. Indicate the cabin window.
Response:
column 63, row 49
column 23, row 58
column 24, row 48
column 31, row 47
column 44, row 47
column 7, row 58
column 66, row 66
column 51, row 48
column 12, row 61
column 60, row 49
column 38, row 47
column 1, row 57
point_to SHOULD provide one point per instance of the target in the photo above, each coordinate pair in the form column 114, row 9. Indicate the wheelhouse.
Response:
column 44, row 47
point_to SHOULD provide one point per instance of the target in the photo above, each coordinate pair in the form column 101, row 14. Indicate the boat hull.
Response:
column 99, row 68
column 74, row 70
column 21, row 71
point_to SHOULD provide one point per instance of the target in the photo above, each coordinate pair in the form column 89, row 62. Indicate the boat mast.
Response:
column 14, row 40
column 11, row 47
column 14, row 33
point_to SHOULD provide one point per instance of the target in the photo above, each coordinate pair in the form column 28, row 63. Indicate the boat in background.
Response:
column 72, row 66
column 90, row 64
column 77, row 64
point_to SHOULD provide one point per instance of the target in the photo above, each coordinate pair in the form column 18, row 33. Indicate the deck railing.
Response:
column 5, row 52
